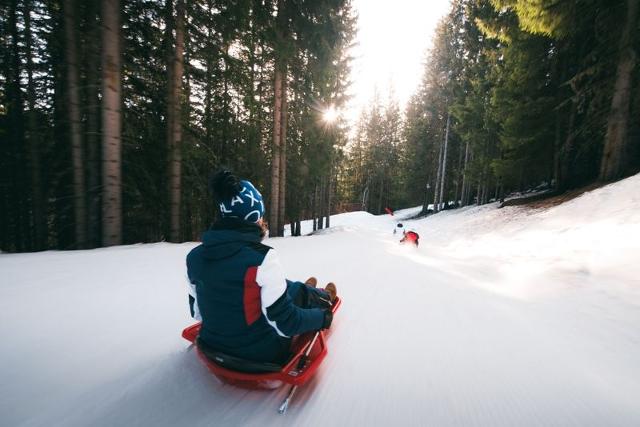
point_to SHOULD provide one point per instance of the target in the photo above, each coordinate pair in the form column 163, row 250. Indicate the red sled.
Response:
column 307, row 353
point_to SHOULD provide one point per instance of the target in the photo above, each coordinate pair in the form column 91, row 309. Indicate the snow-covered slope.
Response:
column 501, row 317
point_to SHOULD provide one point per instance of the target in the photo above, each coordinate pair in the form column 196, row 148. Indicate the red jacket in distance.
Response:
column 410, row 237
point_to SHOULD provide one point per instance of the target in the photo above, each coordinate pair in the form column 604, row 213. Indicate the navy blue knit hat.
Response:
column 246, row 204
column 236, row 199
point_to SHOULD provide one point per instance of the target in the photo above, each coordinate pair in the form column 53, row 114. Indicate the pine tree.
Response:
column 111, row 124
column 77, row 147
column 174, row 122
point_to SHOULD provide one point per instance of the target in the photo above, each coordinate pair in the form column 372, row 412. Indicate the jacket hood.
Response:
column 228, row 236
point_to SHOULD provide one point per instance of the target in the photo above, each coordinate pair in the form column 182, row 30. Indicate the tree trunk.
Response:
column 557, row 151
column 274, row 206
column 436, row 186
column 111, row 124
column 283, row 153
column 444, row 162
column 613, row 157
column 564, row 176
column 379, row 207
column 75, row 126
column 16, row 217
column 365, row 195
column 329, row 193
column 314, row 205
column 321, row 205
column 34, row 140
column 458, row 190
column 427, row 195
column 174, row 128
column 465, row 179
column 93, row 127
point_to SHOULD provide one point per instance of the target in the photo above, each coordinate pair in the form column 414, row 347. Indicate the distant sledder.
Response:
column 399, row 228
column 410, row 237
column 258, row 329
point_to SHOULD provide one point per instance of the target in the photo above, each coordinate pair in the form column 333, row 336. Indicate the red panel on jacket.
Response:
column 251, row 296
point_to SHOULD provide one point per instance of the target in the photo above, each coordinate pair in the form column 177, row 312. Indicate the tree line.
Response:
column 516, row 95
column 113, row 113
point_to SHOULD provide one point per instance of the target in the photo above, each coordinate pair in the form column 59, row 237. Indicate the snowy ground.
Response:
column 502, row 317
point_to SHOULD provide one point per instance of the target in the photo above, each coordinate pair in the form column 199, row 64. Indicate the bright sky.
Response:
column 393, row 37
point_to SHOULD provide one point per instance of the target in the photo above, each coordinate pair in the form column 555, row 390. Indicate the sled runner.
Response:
column 307, row 353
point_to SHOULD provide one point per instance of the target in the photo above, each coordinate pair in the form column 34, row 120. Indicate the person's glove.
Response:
column 328, row 318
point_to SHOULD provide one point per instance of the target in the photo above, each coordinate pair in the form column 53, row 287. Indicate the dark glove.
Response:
column 328, row 318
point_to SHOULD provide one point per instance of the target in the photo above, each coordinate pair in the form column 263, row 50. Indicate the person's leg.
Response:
column 296, row 292
column 305, row 296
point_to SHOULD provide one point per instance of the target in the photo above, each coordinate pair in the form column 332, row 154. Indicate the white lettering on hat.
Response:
column 224, row 209
column 257, row 213
column 252, row 197
column 236, row 199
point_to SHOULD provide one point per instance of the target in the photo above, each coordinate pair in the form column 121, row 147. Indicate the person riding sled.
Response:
column 238, row 288
column 410, row 237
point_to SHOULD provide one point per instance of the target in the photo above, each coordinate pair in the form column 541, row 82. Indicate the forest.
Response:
column 114, row 113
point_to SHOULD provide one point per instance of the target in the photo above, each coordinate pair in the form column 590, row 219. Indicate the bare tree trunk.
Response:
column 379, row 210
column 436, row 186
column 457, row 197
column 225, row 147
column 34, row 139
column 314, row 205
column 111, row 124
column 208, row 101
column 485, row 184
column 283, row 154
column 468, row 183
column 18, row 215
column 444, row 162
column 427, row 194
column 613, row 157
column 275, row 156
column 465, row 180
column 75, row 127
column 321, row 205
column 279, row 112
column 365, row 195
column 557, row 151
column 329, row 193
column 92, row 127
column 567, row 149
column 174, row 128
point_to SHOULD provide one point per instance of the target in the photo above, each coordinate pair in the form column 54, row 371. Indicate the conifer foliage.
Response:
column 516, row 95
column 113, row 113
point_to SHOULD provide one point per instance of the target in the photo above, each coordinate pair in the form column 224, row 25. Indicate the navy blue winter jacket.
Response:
column 239, row 291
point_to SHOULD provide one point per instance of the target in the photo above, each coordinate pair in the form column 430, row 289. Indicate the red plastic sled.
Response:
column 307, row 353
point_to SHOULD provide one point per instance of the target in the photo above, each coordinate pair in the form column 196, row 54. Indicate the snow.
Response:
column 501, row 317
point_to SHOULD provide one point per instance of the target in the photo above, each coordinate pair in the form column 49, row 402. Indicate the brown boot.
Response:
column 311, row 281
column 332, row 291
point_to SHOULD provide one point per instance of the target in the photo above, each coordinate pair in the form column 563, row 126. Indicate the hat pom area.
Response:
column 224, row 185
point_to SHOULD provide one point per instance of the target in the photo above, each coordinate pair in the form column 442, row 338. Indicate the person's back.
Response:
column 224, row 269
column 239, row 289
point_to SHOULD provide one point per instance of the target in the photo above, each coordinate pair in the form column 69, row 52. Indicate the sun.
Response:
column 330, row 115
